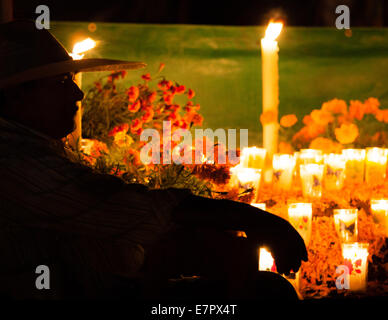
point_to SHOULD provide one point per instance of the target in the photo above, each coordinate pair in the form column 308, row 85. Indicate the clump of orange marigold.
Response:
column 288, row 120
column 326, row 145
column 346, row 133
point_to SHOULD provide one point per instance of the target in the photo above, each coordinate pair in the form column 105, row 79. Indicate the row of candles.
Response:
column 314, row 168
column 346, row 225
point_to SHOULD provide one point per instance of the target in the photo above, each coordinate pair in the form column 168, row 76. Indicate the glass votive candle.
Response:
column 355, row 165
column 379, row 208
column 283, row 170
column 376, row 166
column 345, row 221
column 249, row 178
column 311, row 177
column 253, row 157
column 356, row 259
column 300, row 217
column 261, row 206
column 334, row 176
column 266, row 261
column 310, row 156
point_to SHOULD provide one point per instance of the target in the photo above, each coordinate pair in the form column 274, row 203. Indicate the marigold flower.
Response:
column 326, row 145
column 134, row 107
column 133, row 93
column 347, row 133
column 146, row 77
column 197, row 119
column 165, row 84
column 356, row 110
column 335, row 106
column 268, row 117
column 122, row 127
column 136, row 125
column 148, row 116
column 371, row 105
column 122, row 139
column 152, row 97
column 190, row 94
column 168, row 99
column 180, row 89
column 322, row 117
column 288, row 120
column 285, row 147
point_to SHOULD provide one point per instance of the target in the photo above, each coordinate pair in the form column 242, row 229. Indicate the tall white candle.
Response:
column 270, row 87
column 77, row 54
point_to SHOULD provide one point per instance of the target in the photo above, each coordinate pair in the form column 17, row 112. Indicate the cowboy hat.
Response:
column 27, row 53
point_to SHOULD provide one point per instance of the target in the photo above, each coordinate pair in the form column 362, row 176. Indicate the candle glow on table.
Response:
column 300, row 216
column 307, row 156
column 283, row 170
column 355, row 165
column 335, row 171
column 253, row 157
column 356, row 259
column 311, row 177
column 261, row 206
column 375, row 166
column 379, row 208
column 345, row 221
column 270, row 90
column 78, row 53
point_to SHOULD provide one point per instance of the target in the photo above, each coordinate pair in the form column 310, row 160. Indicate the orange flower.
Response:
column 371, row 105
column 285, row 147
column 335, row 106
column 148, row 116
column 356, row 110
column 133, row 93
column 322, row 117
column 134, row 107
column 197, row 119
column 326, row 145
column 152, row 96
column 146, row 77
column 180, row 89
column 268, row 117
column 347, row 133
column 168, row 98
column 190, row 94
column 165, row 85
column 136, row 125
column 288, row 120
column 307, row 120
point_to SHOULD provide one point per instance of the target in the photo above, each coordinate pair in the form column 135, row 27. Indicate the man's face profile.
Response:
column 46, row 105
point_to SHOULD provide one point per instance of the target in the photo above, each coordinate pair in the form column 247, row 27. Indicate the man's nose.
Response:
column 77, row 92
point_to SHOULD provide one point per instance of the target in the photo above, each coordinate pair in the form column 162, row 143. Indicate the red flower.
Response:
column 133, row 93
column 190, row 94
column 134, row 107
column 136, row 125
column 358, row 262
column 165, row 85
column 180, row 89
column 152, row 97
column 168, row 99
column 119, row 128
column 197, row 119
column 146, row 77
column 148, row 116
column 123, row 74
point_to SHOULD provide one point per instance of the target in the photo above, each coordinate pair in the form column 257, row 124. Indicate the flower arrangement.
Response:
column 336, row 125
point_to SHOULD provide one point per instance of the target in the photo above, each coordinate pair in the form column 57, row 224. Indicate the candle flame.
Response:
column 273, row 30
column 81, row 47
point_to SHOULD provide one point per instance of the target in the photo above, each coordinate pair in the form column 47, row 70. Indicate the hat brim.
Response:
column 83, row 65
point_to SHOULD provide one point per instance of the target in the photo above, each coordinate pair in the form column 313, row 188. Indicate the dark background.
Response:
column 210, row 12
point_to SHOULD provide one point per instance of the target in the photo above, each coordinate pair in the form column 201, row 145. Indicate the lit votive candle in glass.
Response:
column 283, row 170
column 355, row 165
column 300, row 217
column 261, row 206
column 266, row 261
column 379, row 208
column 310, row 156
column 249, row 178
column 311, row 177
column 376, row 166
column 345, row 221
column 253, row 157
column 356, row 259
column 334, row 171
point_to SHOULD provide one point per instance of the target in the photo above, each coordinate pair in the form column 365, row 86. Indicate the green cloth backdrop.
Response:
column 223, row 65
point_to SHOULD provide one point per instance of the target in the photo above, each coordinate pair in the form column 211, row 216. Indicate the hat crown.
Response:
column 23, row 47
